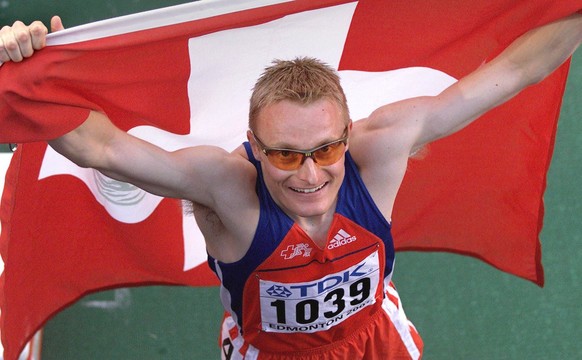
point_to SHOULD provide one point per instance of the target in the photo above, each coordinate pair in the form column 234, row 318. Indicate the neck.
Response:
column 317, row 227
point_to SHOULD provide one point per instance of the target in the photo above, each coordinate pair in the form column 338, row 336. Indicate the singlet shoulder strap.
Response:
column 250, row 154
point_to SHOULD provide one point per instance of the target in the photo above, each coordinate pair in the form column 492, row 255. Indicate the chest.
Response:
column 316, row 291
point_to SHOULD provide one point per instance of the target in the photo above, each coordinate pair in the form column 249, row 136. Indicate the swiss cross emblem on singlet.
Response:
column 295, row 250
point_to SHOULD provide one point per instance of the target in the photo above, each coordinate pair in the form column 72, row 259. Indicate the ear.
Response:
column 254, row 146
column 350, row 126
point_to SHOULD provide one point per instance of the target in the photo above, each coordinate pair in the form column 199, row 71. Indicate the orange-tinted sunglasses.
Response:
column 290, row 159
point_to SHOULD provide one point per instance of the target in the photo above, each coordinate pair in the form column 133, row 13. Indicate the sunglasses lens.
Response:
column 330, row 154
column 285, row 160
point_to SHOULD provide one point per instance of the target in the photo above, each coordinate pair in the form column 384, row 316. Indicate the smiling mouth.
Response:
column 309, row 191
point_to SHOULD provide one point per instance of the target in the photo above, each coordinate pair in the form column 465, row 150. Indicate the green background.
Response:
column 463, row 308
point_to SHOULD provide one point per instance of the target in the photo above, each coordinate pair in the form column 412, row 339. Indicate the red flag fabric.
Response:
column 182, row 76
column 478, row 192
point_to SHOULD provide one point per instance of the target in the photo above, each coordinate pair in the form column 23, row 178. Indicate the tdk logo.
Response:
column 340, row 239
column 332, row 281
column 279, row 291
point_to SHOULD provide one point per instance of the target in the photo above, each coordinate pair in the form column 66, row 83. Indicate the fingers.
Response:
column 20, row 41
column 17, row 42
column 3, row 53
column 38, row 33
column 9, row 49
column 56, row 24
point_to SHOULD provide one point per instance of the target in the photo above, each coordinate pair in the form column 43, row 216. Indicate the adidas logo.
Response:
column 340, row 239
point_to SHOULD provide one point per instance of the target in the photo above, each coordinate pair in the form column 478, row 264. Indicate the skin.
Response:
column 222, row 185
column 20, row 41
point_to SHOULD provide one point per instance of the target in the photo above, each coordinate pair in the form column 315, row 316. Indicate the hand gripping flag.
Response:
column 182, row 76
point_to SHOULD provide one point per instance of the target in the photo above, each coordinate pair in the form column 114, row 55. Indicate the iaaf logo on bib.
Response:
column 340, row 239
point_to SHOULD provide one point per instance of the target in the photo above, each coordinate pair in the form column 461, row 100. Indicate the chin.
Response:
column 310, row 209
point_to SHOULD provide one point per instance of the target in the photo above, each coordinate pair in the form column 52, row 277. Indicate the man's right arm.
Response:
column 192, row 173
column 188, row 174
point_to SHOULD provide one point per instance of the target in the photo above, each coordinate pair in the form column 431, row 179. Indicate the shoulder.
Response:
column 388, row 133
column 211, row 176
column 381, row 145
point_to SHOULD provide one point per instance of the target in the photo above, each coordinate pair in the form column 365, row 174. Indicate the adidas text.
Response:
column 340, row 239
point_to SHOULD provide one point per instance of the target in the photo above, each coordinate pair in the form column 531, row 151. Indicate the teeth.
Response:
column 308, row 191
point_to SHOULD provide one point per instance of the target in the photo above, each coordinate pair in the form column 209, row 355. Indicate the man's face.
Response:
column 311, row 190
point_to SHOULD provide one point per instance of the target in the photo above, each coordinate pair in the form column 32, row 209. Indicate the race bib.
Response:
column 318, row 305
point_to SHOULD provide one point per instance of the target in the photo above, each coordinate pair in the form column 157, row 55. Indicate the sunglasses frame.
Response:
column 306, row 153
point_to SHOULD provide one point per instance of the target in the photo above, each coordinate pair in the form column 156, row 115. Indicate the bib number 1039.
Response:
column 320, row 304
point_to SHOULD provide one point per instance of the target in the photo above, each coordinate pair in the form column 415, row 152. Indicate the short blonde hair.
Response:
column 303, row 80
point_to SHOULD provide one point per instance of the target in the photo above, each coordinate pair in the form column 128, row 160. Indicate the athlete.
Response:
column 297, row 220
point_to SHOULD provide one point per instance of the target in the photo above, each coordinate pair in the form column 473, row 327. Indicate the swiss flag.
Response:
column 182, row 76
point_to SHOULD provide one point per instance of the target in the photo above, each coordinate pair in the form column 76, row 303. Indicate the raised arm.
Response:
column 528, row 60
column 199, row 174
column 220, row 184
column 202, row 174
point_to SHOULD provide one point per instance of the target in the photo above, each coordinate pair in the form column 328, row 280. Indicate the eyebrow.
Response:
column 292, row 148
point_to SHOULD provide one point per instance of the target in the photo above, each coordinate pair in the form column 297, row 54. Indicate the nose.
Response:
column 309, row 171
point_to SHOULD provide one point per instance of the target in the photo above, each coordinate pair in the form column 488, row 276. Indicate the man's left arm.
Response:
column 527, row 61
